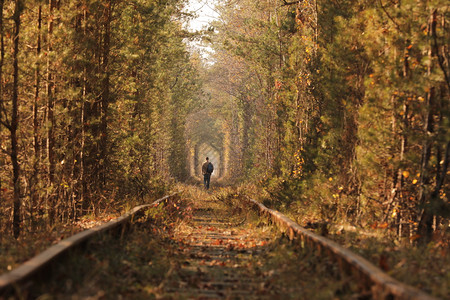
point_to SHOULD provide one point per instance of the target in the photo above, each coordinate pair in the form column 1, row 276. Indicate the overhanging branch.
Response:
column 285, row 3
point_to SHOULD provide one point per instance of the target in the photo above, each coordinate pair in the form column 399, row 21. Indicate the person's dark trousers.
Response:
column 206, row 180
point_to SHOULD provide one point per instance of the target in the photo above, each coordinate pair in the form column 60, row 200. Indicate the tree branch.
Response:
column 436, row 49
column 285, row 3
column 5, row 124
column 441, row 180
column 389, row 16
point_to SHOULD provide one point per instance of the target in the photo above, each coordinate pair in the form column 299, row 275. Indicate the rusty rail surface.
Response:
column 373, row 279
column 13, row 280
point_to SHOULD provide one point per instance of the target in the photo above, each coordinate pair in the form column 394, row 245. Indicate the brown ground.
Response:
column 202, row 246
column 218, row 247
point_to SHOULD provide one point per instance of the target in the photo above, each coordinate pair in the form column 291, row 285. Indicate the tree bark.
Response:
column 15, row 121
column 2, row 57
column 50, row 113
column 50, row 99
column 425, row 228
column 37, row 146
column 105, row 92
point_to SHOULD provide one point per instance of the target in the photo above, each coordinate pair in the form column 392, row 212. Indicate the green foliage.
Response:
column 346, row 105
column 108, row 91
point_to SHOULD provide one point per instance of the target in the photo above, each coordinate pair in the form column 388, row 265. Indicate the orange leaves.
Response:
column 379, row 226
column 278, row 84
column 383, row 226
column 214, row 262
column 217, row 242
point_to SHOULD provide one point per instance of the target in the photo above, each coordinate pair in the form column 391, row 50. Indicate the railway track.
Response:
column 217, row 251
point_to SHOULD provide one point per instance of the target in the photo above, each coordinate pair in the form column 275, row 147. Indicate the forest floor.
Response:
column 208, row 245
column 31, row 242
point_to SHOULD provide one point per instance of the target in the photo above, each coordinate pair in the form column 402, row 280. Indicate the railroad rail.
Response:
column 23, row 275
column 381, row 285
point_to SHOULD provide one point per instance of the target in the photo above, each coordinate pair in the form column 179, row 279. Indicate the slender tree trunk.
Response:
column 105, row 93
column 37, row 148
column 425, row 228
column 400, row 177
column 15, row 121
column 50, row 113
column 2, row 57
column 245, row 133
column 83, row 187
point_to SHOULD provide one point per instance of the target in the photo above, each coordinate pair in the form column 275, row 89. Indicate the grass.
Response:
column 37, row 237
column 426, row 267
column 131, row 267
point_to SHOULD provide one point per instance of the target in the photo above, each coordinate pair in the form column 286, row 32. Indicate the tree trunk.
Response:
column 37, row 148
column 105, row 93
column 425, row 228
column 83, row 186
column 15, row 120
column 2, row 57
column 50, row 113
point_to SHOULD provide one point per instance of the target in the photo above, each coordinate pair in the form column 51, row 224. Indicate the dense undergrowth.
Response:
column 426, row 267
column 39, row 235
column 130, row 264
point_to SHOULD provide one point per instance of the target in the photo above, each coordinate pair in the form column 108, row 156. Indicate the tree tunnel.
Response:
column 205, row 150
column 205, row 140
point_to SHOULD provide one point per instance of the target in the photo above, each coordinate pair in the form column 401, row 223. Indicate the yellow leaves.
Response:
column 405, row 174
column 414, row 181
column 330, row 179
column 421, row 99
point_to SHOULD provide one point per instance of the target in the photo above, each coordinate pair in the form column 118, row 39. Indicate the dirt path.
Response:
column 217, row 249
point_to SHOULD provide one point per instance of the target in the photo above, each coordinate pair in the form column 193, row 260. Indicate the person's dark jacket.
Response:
column 205, row 167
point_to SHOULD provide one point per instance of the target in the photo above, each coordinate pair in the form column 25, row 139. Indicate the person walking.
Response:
column 207, row 169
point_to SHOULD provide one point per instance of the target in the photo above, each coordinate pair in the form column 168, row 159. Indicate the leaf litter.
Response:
column 218, row 250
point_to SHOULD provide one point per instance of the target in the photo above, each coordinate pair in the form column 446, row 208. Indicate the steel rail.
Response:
column 381, row 285
column 13, row 280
